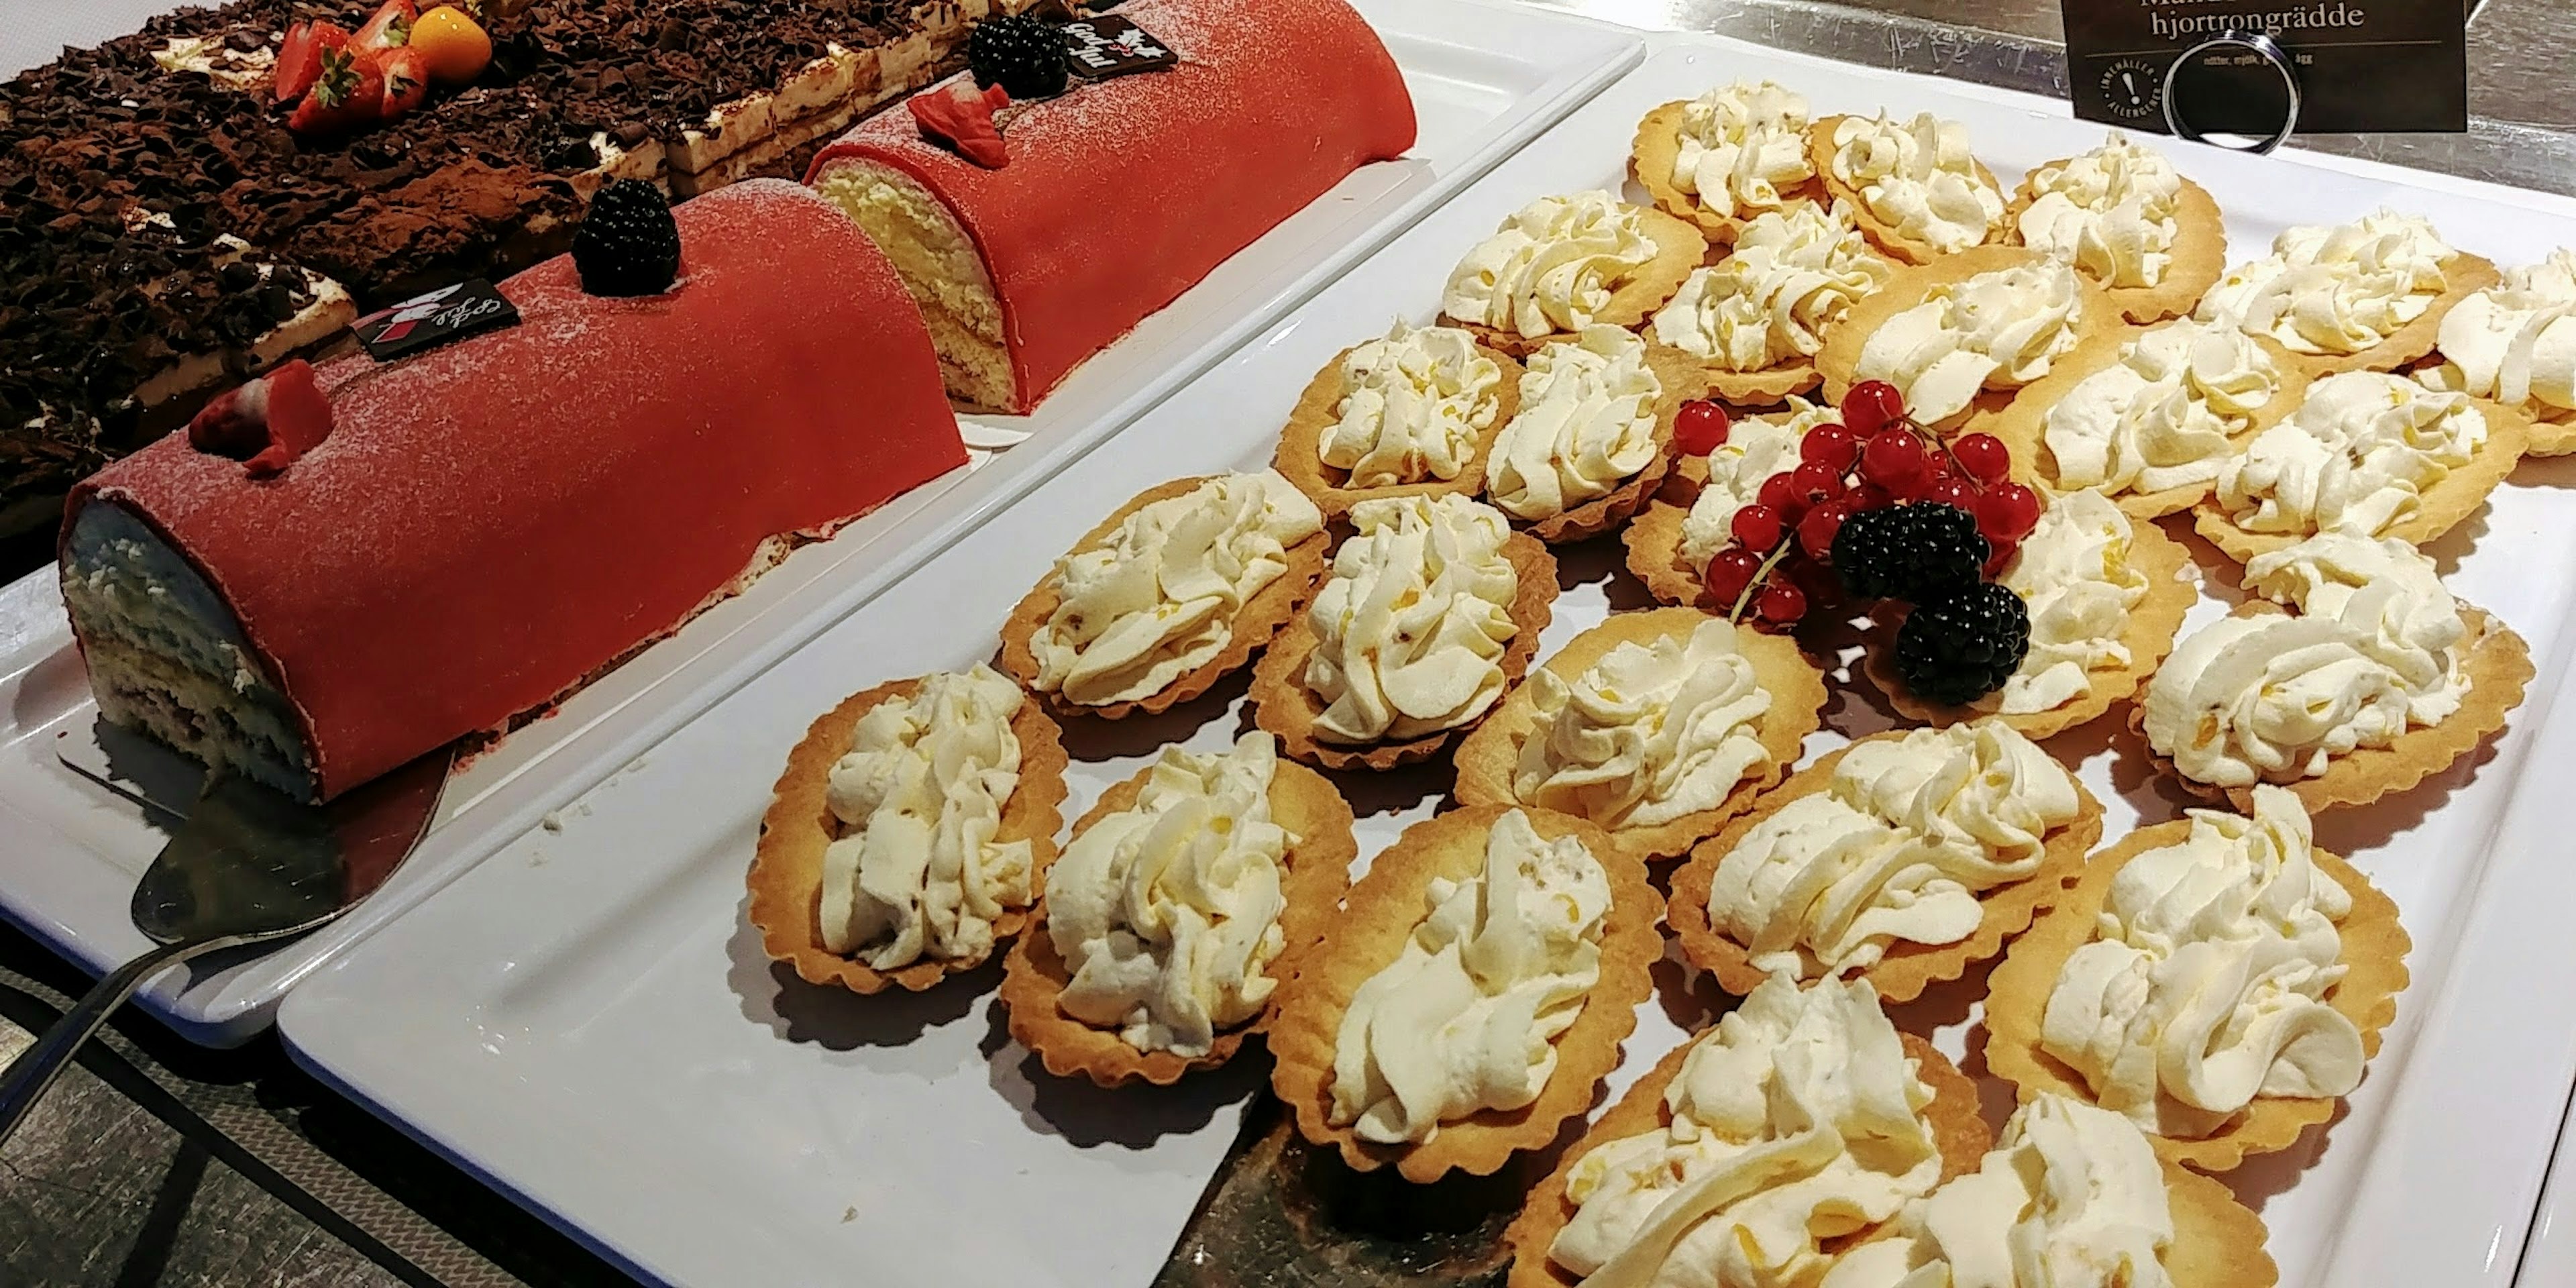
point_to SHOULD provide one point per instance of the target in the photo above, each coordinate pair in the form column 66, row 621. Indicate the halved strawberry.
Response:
column 390, row 27
column 299, row 60
column 266, row 423
column 406, row 81
column 344, row 97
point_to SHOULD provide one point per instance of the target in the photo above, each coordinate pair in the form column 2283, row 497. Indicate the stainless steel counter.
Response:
column 2522, row 132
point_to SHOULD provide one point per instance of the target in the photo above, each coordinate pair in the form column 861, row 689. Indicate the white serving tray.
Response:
column 592, row 994
column 1484, row 81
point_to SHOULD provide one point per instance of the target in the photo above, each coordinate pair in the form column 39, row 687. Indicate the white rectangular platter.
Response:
column 1484, row 80
column 592, row 994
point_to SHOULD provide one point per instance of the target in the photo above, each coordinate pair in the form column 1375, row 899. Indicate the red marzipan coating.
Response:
column 493, row 520
column 1122, row 194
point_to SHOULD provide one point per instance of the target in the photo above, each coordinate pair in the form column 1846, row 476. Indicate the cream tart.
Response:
column 910, row 832
column 1432, row 610
column 1592, row 438
column 1564, row 263
column 1726, row 158
column 2515, row 343
column 1756, row 318
column 1957, row 338
column 1692, row 517
column 2129, row 222
column 1412, row 413
column 1473, row 996
column 2112, row 998
column 1901, row 860
column 1913, row 185
column 1167, row 596
column 1656, row 727
column 2369, row 295
column 1180, row 909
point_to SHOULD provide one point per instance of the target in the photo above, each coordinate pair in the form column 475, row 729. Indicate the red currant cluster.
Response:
column 1780, row 562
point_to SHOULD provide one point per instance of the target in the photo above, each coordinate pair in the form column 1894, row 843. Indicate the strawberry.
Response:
column 299, row 60
column 346, row 96
column 266, row 423
column 406, row 81
column 389, row 28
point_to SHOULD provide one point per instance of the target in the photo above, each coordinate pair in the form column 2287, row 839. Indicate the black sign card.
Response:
column 427, row 321
column 2363, row 66
column 1107, row 45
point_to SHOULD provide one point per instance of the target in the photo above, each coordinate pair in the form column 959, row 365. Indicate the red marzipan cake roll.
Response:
column 489, row 522
column 1119, row 194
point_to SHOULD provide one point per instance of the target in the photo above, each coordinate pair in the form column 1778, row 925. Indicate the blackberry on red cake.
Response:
column 627, row 244
column 1023, row 55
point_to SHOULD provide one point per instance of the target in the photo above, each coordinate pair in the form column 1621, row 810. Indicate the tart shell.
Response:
column 2098, row 331
column 786, row 877
column 2198, row 254
column 2374, row 955
column 1682, row 380
column 1319, row 872
column 2464, row 274
column 1386, row 907
column 2442, row 507
column 1300, row 456
column 1902, row 249
column 1679, row 248
column 1658, row 148
column 2023, row 425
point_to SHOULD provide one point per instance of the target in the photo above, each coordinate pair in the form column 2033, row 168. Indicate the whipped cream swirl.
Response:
column 2516, row 342
column 2073, row 571
column 2336, row 289
column 2000, row 329
column 1918, row 178
column 1158, row 598
column 1414, row 405
column 1741, row 145
column 1553, row 265
column 1896, row 849
column 1586, row 425
column 2356, row 457
column 2206, row 983
column 1790, row 275
column 1756, row 448
column 1649, row 733
column 2165, row 414
column 1466, row 1019
column 915, row 871
column 1796, row 1121
column 2112, row 212
column 1411, row 627
column 1168, row 913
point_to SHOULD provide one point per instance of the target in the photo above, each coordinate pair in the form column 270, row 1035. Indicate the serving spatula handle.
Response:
column 30, row 1074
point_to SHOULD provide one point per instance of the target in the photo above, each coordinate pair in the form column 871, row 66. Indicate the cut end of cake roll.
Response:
column 168, row 660
column 939, row 264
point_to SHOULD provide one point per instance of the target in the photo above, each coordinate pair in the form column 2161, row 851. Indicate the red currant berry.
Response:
column 1729, row 572
column 1984, row 457
column 1950, row 489
column 1816, row 531
column 1870, row 496
column 1831, row 445
column 1872, row 404
column 1816, row 481
column 2001, row 553
column 1758, row 527
column 2007, row 512
column 1891, row 458
column 1780, row 493
column 1700, row 427
column 1780, row 604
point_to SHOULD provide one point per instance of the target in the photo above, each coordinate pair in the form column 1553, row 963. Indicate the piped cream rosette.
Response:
column 2154, row 420
column 1656, row 727
column 910, row 832
column 2366, row 454
column 1561, row 264
column 1756, row 319
column 1959, row 337
column 2353, row 675
column 1432, row 611
column 1901, row 859
column 1167, row 596
column 1692, row 518
column 1184, row 902
column 2364, row 296
column 1914, row 187
column 2071, row 1197
column 2218, row 980
column 1473, row 996
column 2106, row 596
column 1412, row 413
column 2129, row 222
column 1592, row 439
column 2515, row 343
column 1727, row 157
column 1755, row 1154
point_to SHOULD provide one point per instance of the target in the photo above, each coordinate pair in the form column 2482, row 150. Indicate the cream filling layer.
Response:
column 2073, row 572
column 1411, row 627
column 2166, row 414
column 1790, row 275
column 1552, row 266
column 1997, row 330
column 1647, row 734
column 1414, row 405
column 1586, row 425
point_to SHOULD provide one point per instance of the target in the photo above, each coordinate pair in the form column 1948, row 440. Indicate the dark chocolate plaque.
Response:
column 1106, row 45
column 427, row 321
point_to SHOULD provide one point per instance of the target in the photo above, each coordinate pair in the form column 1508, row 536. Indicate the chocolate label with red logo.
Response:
column 1107, row 45
column 426, row 321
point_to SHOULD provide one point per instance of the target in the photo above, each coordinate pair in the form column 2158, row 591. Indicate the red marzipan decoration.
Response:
column 268, row 423
column 962, row 118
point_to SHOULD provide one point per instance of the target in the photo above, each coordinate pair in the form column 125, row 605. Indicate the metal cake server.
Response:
column 249, row 865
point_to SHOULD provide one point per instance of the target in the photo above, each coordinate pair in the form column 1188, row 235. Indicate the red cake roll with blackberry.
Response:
column 1101, row 203
column 338, row 569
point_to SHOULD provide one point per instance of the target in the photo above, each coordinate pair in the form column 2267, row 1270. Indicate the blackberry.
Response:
column 1911, row 552
column 1964, row 645
column 627, row 244
column 1024, row 55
